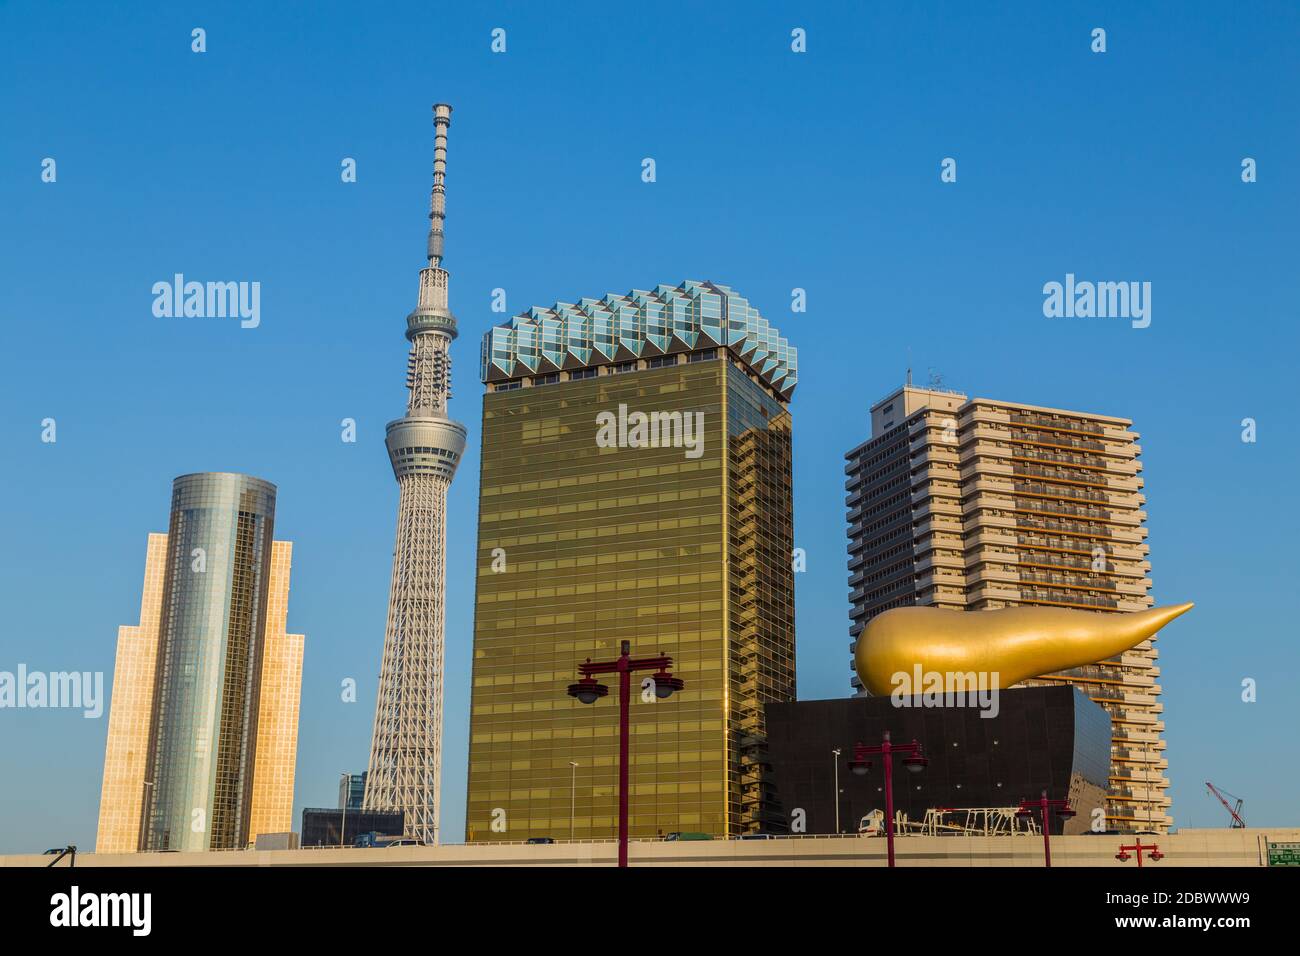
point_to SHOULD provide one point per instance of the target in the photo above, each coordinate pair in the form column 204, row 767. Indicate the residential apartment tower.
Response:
column 974, row 504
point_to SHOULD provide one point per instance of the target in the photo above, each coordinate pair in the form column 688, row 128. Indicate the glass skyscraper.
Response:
column 635, row 485
column 352, row 788
column 204, row 718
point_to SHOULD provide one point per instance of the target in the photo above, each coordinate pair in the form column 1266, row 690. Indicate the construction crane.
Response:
column 1238, row 820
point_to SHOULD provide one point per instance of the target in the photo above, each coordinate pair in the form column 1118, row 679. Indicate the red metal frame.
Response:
column 625, row 666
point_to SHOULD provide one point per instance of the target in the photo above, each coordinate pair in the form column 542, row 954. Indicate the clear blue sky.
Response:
column 775, row 171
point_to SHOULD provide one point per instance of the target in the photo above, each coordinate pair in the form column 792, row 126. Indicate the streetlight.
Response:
column 142, row 843
column 1139, row 847
column 913, row 760
column 1042, row 804
column 836, row 762
column 573, row 795
column 347, row 798
column 588, row 690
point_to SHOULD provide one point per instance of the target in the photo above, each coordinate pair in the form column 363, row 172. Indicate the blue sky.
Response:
column 775, row 170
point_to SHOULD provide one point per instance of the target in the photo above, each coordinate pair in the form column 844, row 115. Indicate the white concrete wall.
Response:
column 1185, row 848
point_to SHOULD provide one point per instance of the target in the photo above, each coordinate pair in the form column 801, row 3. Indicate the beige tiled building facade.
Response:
column 130, row 714
column 277, row 716
column 974, row 504
column 209, row 669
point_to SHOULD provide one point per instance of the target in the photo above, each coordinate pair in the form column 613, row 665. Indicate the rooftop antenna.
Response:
column 438, row 196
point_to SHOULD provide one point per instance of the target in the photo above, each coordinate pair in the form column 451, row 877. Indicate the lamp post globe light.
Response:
column 666, row 684
column 1152, row 851
column 835, row 762
column 573, row 795
column 913, row 759
column 345, row 778
column 588, row 690
column 1027, row 810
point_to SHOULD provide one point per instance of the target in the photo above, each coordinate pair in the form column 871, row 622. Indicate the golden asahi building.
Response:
column 975, row 504
column 635, row 485
column 203, row 724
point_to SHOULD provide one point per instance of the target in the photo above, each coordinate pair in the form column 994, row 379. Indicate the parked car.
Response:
column 679, row 835
column 536, row 840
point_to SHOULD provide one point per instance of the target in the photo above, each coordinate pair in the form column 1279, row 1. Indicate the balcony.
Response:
column 1037, row 438
column 1096, row 532
column 1070, row 425
column 1067, row 599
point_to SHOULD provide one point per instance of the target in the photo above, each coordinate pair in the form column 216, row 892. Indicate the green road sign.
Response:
column 1284, row 854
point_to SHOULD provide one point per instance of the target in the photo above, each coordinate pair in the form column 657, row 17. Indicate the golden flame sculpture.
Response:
column 1016, row 643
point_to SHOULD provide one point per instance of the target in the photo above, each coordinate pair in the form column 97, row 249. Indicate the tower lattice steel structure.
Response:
column 425, row 446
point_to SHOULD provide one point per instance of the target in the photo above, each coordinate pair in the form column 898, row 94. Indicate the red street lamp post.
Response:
column 1138, row 847
column 588, row 690
column 1042, row 804
column 912, row 760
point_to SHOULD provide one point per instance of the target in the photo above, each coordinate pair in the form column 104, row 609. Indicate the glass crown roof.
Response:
column 619, row 328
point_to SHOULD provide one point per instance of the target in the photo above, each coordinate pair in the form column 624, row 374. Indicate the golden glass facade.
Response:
column 680, row 550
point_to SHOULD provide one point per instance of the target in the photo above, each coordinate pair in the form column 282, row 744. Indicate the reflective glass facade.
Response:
column 679, row 548
column 1051, row 738
column 592, row 332
column 209, row 663
column 341, row 827
column 352, row 788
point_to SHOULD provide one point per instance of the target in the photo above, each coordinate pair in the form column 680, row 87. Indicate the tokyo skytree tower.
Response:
column 425, row 447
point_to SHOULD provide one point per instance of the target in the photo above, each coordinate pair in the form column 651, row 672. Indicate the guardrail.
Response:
column 557, row 841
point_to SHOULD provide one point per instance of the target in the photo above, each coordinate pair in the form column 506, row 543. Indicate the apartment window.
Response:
column 624, row 367
column 549, row 379
column 705, row 356
column 659, row 361
column 583, row 373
